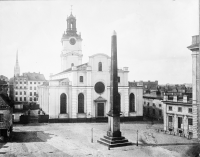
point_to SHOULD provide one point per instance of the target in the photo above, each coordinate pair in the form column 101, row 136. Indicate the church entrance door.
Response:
column 100, row 109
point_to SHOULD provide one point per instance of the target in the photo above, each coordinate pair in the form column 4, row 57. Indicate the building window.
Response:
column 63, row 103
column 24, row 98
column 34, row 82
column 81, row 78
column 81, row 103
column 20, row 98
column 144, row 102
column 170, row 121
column 148, row 104
column 179, row 109
column 132, row 102
column 35, row 93
column 72, row 64
column 24, row 82
column 16, row 93
column 30, row 93
column 24, row 92
column 16, row 87
column 189, row 110
column 20, row 93
column 20, row 87
column 154, row 112
column 189, row 121
column 34, row 99
column 20, row 82
column 100, row 66
column 34, row 88
column 30, row 99
column 160, row 105
column 38, row 82
column 16, row 99
column 160, row 112
column 16, row 82
column 30, row 88
column 30, row 82
column 118, row 78
column 154, row 105
column 170, row 108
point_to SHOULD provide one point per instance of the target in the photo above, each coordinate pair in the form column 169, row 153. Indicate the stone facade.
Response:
column 83, row 90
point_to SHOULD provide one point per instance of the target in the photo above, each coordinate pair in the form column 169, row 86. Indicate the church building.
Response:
column 82, row 90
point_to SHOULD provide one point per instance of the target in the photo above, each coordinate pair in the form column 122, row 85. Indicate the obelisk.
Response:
column 114, row 113
column 113, row 137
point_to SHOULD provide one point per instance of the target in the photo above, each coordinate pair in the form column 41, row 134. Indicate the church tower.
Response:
column 17, row 69
column 71, row 54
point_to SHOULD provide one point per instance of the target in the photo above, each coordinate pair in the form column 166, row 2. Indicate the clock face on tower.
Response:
column 72, row 41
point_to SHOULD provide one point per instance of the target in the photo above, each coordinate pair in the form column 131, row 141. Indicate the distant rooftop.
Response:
column 34, row 76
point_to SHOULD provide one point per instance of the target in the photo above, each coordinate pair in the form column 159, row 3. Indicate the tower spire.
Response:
column 71, row 9
column 17, row 69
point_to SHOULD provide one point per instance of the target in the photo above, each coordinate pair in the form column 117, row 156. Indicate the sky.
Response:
column 152, row 35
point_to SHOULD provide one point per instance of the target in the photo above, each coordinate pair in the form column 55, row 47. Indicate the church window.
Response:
column 72, row 64
column 100, row 66
column 81, row 78
column 63, row 103
column 132, row 102
column 81, row 103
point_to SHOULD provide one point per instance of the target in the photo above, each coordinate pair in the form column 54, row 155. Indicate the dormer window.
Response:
column 100, row 66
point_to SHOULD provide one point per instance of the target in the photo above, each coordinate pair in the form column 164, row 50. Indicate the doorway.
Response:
column 100, row 109
column 180, row 121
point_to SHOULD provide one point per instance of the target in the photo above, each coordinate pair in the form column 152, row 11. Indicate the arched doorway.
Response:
column 63, row 103
column 132, row 103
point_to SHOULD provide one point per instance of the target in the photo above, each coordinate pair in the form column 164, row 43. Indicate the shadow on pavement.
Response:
column 30, row 136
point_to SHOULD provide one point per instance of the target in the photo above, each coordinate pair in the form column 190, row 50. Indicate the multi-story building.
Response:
column 148, row 86
column 178, row 117
column 153, row 106
column 25, row 86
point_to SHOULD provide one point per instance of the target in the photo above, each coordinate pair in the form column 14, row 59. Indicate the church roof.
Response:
column 100, row 99
column 63, row 72
column 100, row 54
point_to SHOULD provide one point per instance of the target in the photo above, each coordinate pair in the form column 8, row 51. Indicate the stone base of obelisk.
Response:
column 113, row 137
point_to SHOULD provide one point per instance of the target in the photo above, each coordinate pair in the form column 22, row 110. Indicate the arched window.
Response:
column 100, row 66
column 72, row 64
column 132, row 102
column 80, row 103
column 63, row 103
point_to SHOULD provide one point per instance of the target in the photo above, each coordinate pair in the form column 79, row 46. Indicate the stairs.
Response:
column 114, row 141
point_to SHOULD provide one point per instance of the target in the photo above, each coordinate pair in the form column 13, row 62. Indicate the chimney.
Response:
column 165, row 98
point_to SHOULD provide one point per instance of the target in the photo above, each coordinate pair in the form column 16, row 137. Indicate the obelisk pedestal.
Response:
column 113, row 137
